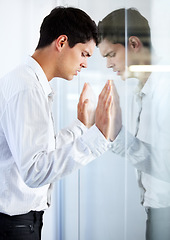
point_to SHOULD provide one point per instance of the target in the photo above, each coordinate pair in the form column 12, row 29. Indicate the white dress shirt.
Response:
column 31, row 155
column 147, row 141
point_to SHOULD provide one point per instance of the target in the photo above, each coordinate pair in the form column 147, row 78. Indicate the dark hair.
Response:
column 73, row 22
column 122, row 23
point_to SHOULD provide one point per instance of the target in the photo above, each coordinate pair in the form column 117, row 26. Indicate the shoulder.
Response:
column 20, row 79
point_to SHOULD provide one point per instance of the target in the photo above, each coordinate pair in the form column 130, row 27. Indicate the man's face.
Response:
column 74, row 59
column 115, row 55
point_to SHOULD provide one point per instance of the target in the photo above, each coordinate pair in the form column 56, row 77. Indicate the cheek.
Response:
column 121, row 62
column 130, row 59
column 74, row 60
column 122, row 58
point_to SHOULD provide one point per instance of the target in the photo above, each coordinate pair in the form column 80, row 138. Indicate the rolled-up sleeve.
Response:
column 41, row 156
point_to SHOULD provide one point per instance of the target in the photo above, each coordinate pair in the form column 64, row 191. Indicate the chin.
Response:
column 69, row 78
column 123, row 77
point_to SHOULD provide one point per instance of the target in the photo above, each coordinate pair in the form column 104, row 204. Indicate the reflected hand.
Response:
column 86, row 106
column 116, row 115
column 103, row 110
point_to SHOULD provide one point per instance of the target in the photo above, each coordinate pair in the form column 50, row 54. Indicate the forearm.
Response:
column 143, row 156
column 70, row 133
column 47, row 167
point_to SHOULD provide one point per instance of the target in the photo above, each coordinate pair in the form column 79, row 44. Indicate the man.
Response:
column 32, row 157
column 147, row 140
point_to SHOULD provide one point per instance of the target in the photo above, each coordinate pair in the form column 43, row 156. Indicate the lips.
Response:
column 77, row 72
column 116, row 71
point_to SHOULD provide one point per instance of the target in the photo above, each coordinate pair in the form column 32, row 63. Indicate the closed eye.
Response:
column 110, row 54
column 85, row 54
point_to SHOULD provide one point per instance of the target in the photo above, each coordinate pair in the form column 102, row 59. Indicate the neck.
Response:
column 44, row 58
column 145, row 58
column 149, row 60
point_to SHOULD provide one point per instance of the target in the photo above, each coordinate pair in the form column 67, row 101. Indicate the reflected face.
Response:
column 115, row 55
column 74, row 59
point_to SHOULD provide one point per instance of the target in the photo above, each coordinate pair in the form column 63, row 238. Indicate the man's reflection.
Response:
column 125, row 41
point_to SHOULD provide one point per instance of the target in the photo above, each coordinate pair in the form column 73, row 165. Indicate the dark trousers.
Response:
column 158, row 224
column 21, row 227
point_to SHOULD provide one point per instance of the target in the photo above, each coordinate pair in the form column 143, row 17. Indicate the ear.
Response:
column 135, row 43
column 60, row 42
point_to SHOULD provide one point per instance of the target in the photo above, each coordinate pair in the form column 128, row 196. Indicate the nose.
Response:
column 110, row 63
column 84, row 64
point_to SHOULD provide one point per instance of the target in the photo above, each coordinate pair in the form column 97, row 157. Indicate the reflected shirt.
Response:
column 32, row 156
column 147, row 140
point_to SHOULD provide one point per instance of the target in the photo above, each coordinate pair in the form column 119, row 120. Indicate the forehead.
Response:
column 106, row 47
column 87, row 47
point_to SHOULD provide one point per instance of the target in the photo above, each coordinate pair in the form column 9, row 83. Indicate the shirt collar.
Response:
column 147, row 89
column 34, row 65
column 153, row 80
column 148, row 86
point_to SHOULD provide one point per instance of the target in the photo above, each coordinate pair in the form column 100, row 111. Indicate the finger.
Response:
column 83, row 93
column 86, row 101
column 108, row 94
column 104, row 90
column 81, row 98
column 84, row 106
column 103, row 97
column 109, row 103
column 115, row 93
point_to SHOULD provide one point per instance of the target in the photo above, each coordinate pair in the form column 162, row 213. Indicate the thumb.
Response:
column 85, row 105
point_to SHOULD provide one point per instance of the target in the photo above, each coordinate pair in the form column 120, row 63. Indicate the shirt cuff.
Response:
column 78, row 127
column 95, row 140
column 123, row 141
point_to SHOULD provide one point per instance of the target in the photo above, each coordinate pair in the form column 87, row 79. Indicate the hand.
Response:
column 103, row 110
column 116, row 115
column 86, row 106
